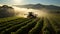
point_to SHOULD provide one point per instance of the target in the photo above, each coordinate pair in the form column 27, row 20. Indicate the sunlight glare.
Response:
column 17, row 1
column 22, row 11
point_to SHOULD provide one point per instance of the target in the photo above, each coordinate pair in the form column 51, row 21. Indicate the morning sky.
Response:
column 22, row 2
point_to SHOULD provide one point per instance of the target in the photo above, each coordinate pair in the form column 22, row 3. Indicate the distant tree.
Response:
column 6, row 11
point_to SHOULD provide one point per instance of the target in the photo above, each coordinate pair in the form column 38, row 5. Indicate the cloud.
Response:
column 18, row 1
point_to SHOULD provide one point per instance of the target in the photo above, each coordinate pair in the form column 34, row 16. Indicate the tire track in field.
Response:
column 27, row 27
column 47, row 28
column 37, row 28
column 15, row 27
column 55, row 25
column 10, row 25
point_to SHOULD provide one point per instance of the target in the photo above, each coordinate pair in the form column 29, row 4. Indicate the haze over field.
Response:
column 44, row 6
column 40, row 12
column 29, row 16
column 24, row 11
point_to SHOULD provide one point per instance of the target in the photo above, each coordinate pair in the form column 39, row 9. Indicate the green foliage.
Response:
column 37, row 27
column 42, row 25
column 26, row 28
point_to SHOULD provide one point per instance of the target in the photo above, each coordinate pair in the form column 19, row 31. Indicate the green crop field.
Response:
column 43, row 25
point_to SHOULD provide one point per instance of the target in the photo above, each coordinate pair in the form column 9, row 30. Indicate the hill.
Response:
column 51, row 8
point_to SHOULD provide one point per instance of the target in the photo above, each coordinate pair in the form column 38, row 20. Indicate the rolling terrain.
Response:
column 49, row 24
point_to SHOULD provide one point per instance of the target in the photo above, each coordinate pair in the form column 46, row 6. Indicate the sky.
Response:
column 23, row 2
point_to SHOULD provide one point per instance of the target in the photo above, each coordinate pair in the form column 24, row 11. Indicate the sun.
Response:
column 17, row 1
